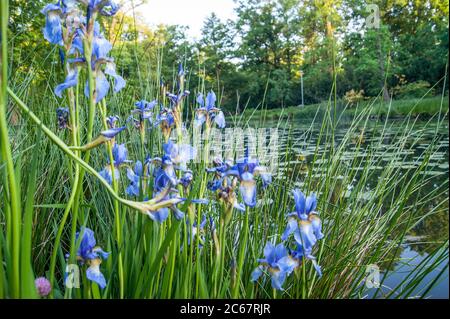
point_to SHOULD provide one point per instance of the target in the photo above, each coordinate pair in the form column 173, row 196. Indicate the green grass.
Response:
column 62, row 191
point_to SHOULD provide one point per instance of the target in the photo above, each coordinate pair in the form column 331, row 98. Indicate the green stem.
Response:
column 56, row 140
column 7, row 155
column 242, row 250
column 117, row 214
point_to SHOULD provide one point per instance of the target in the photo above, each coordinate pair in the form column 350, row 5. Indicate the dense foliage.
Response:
column 260, row 57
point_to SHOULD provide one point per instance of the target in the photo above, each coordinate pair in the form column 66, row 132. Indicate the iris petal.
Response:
column 93, row 274
column 53, row 26
column 70, row 81
column 256, row 273
column 119, row 82
column 305, row 236
column 248, row 189
column 299, row 199
column 220, row 120
column 291, row 227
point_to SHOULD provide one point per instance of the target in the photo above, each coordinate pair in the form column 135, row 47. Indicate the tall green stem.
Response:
column 7, row 155
column 242, row 250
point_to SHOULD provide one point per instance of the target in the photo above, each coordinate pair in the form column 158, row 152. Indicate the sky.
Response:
column 186, row 12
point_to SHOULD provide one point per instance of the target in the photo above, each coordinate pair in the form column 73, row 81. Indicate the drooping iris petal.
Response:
column 53, row 25
column 177, row 213
column 119, row 82
column 112, row 132
column 210, row 100
column 120, row 154
column 287, row 264
column 316, row 225
column 248, row 189
column 291, row 227
column 200, row 118
column 278, row 278
column 257, row 273
column 106, row 173
column 268, row 253
column 93, row 274
column 70, row 81
column 101, row 47
column 220, row 120
column 159, row 216
column 305, row 235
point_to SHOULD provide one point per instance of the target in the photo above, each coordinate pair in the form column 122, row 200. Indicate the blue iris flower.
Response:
column 53, row 31
column 144, row 111
column 120, row 154
column 100, row 51
column 105, row 8
column 70, row 81
column 175, row 100
column 299, row 253
column 144, row 108
column 277, row 262
column 179, row 154
column 304, row 222
column 112, row 120
column 134, row 176
column 112, row 132
column 186, row 179
column 166, row 120
column 208, row 112
column 306, row 226
column 88, row 252
column 246, row 169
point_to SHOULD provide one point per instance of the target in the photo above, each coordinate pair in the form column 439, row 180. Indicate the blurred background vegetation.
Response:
column 261, row 57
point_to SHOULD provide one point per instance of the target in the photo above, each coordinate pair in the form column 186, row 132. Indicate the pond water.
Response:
column 430, row 233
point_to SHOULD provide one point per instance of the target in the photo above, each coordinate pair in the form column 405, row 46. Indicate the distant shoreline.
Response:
column 426, row 108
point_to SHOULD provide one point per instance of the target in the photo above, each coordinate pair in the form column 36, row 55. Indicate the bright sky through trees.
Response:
column 191, row 13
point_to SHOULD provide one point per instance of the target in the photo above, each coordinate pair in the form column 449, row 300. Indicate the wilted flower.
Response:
column 62, row 115
column 277, row 262
column 208, row 112
column 43, row 286
column 166, row 121
column 92, row 255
